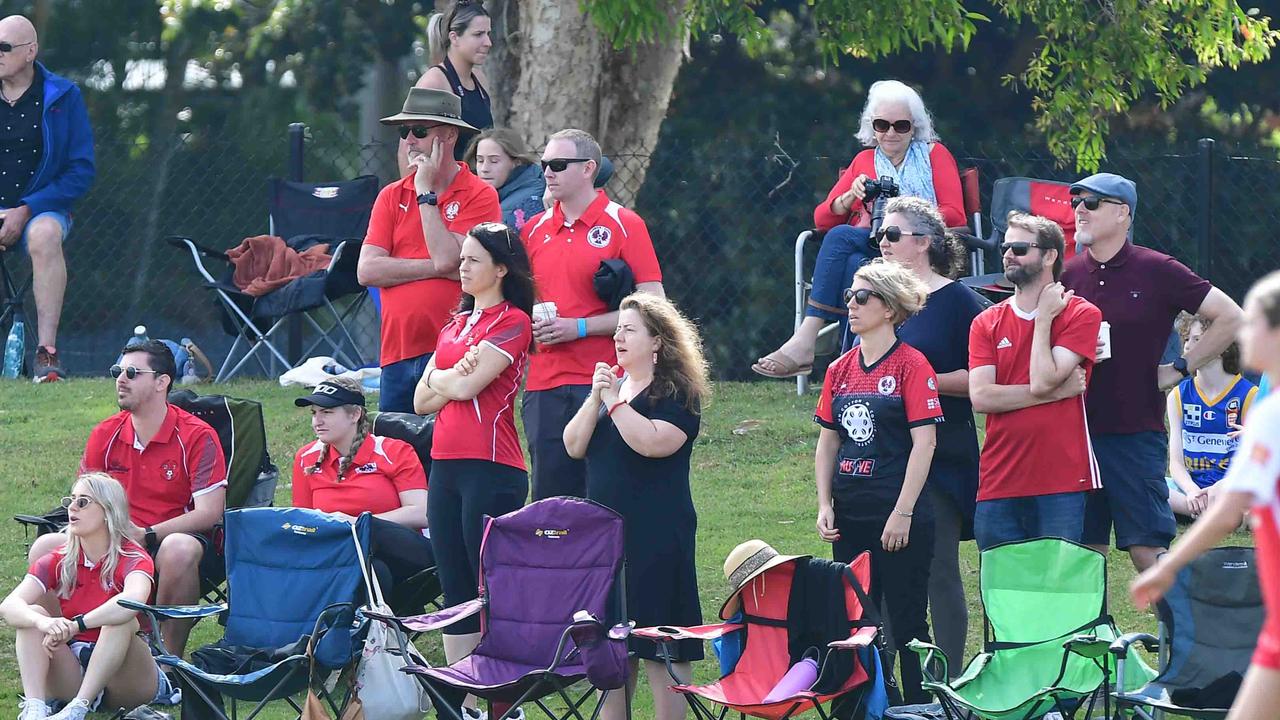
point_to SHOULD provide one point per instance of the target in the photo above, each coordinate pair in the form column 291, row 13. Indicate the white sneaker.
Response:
column 33, row 709
column 473, row 714
column 75, row 710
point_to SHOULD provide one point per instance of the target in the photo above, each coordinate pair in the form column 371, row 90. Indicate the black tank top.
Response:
column 475, row 106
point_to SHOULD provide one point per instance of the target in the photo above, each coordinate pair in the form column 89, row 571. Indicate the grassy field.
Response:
column 752, row 478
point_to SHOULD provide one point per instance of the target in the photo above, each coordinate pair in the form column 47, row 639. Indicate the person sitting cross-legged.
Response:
column 74, row 642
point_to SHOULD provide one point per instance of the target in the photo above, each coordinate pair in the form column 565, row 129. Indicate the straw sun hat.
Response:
column 745, row 562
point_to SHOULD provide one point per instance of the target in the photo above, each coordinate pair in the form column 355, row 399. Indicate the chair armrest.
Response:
column 863, row 638
column 430, row 621
column 668, row 633
column 185, row 243
column 1120, row 646
column 1087, row 646
column 174, row 612
column 929, row 654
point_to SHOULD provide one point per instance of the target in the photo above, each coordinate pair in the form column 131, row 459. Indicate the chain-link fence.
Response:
column 723, row 217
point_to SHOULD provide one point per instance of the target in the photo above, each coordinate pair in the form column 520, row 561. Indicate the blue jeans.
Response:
column 63, row 221
column 395, row 388
column 1022, row 518
column 844, row 249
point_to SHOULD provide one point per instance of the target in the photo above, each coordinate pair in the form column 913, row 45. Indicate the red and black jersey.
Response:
column 873, row 409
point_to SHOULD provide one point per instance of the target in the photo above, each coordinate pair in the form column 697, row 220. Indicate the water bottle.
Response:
column 15, row 347
column 188, row 369
column 139, row 335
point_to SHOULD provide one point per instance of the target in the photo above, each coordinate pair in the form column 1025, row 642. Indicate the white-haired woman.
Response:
column 901, row 144
column 75, row 644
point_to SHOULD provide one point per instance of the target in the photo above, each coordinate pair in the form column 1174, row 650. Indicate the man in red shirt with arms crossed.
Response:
column 415, row 235
column 173, row 472
column 1029, row 361
column 566, row 245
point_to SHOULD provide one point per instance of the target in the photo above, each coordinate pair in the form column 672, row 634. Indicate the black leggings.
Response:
column 397, row 554
column 462, row 492
column 899, row 583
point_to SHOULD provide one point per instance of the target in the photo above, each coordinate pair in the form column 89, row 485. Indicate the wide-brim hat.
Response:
column 429, row 104
column 745, row 562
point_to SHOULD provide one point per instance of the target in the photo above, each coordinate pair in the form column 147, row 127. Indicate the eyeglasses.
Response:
column 902, row 127
column 1020, row 248
column 130, row 372
column 893, row 234
column 560, row 164
column 1091, row 202
column 419, row 131
column 8, row 47
column 860, row 296
column 80, row 502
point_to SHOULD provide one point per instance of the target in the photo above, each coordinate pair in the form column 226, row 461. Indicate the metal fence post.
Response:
column 297, row 133
column 1204, row 212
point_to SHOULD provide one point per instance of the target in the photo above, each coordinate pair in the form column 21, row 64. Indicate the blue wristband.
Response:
column 582, row 327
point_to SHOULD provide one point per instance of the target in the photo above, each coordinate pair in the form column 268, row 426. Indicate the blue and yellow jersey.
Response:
column 1206, row 448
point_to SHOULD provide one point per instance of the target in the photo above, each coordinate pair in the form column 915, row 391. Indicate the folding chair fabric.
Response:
column 1047, row 198
column 243, row 436
column 336, row 209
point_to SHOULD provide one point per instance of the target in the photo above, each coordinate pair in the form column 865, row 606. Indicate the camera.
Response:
column 877, row 192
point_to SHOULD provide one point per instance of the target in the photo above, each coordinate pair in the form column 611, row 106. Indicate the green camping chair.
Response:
column 1046, row 635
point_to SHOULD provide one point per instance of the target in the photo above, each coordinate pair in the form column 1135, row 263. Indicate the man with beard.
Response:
column 1140, row 292
column 1029, row 362
column 173, row 472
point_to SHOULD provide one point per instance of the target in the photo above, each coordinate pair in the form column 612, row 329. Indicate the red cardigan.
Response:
column 946, row 185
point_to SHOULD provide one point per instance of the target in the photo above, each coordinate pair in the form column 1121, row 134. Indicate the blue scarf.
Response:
column 915, row 177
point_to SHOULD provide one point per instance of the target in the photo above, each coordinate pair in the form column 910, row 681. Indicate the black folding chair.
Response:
column 303, row 214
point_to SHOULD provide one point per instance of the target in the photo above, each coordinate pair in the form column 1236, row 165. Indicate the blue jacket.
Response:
column 521, row 196
column 66, row 168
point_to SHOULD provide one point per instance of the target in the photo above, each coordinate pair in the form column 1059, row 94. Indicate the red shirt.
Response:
column 381, row 469
column 88, row 593
column 565, row 258
column 413, row 312
column 1140, row 292
column 946, row 187
column 484, row 428
column 1043, row 449
column 873, row 410
column 182, row 462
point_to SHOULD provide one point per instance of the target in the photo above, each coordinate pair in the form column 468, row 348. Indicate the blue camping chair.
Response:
column 294, row 580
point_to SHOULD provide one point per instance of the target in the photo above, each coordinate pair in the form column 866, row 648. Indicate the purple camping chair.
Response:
column 548, row 573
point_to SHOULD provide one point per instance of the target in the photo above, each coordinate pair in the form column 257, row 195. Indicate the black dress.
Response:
column 652, row 495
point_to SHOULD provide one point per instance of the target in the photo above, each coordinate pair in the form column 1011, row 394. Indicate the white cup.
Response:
column 1104, row 337
column 544, row 311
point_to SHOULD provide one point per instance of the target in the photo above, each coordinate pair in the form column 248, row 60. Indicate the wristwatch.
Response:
column 80, row 623
column 150, row 540
column 1181, row 366
column 427, row 199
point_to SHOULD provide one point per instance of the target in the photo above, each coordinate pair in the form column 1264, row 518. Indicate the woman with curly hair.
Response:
column 637, row 435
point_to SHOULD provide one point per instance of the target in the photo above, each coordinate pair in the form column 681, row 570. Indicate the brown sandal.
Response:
column 787, row 367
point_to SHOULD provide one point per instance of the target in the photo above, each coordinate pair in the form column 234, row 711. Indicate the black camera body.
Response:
column 877, row 192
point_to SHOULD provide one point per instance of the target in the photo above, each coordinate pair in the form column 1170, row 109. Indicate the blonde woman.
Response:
column 637, row 436
column 878, row 411
column 75, row 643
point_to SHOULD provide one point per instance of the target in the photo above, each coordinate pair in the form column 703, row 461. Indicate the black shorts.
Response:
column 213, row 564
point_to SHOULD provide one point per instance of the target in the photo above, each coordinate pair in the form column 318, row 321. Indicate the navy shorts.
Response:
column 1134, row 496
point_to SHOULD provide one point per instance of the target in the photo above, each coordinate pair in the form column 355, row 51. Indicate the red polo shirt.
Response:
column 565, row 257
column 183, row 461
column 381, row 469
column 1140, row 292
column 414, row 312
column 89, row 593
column 484, row 428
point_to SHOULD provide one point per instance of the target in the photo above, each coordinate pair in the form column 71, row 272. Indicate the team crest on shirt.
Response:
column 1233, row 412
column 887, row 385
column 859, row 422
column 368, row 468
column 932, row 385
column 451, row 210
column 599, row 236
column 1191, row 415
column 169, row 470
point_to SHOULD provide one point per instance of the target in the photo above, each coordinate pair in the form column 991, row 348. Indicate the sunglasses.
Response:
column 8, row 47
column 860, row 296
column 1091, row 202
column 419, row 131
column 130, row 372
column 1019, row 248
column 893, row 234
column 902, row 127
column 559, row 164
column 79, row 502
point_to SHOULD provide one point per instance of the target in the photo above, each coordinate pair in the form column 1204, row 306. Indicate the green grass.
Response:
column 752, row 478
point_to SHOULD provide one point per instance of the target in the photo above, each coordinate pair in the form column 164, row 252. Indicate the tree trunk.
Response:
column 570, row 77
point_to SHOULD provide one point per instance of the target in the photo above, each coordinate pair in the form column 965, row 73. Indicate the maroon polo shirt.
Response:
column 1140, row 292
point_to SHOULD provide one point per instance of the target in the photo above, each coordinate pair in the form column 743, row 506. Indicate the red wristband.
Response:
column 615, row 406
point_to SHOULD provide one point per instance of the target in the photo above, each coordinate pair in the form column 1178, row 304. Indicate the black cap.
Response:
column 330, row 395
